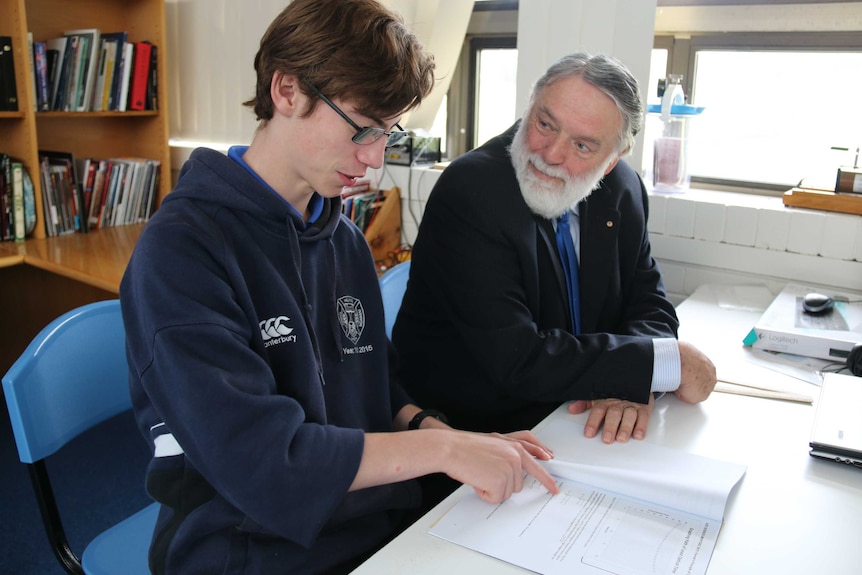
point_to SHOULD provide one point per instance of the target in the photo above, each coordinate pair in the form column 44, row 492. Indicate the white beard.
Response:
column 546, row 198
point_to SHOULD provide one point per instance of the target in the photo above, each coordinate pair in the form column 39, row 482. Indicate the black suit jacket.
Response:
column 483, row 331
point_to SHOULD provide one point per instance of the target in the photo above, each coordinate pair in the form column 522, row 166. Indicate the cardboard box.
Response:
column 785, row 327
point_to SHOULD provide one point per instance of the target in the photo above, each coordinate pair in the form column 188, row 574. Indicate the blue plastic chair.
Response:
column 393, row 284
column 71, row 377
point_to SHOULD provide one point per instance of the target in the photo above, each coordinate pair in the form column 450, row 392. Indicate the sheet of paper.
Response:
column 625, row 508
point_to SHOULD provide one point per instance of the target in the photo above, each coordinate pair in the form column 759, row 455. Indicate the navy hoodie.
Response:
column 258, row 359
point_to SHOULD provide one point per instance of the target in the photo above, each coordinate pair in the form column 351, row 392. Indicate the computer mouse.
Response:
column 817, row 303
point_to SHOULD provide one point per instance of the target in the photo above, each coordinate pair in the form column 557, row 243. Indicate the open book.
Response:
column 626, row 508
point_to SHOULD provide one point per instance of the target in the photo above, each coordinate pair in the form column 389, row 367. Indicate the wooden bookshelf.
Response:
column 44, row 277
column 87, row 134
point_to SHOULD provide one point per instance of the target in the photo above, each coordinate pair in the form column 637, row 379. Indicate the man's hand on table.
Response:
column 620, row 419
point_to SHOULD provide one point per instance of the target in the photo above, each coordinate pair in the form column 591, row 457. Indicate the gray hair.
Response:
column 608, row 75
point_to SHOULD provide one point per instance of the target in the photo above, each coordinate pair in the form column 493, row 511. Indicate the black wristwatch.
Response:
column 417, row 419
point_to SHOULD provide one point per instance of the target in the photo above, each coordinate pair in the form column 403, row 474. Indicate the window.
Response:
column 775, row 106
column 493, row 86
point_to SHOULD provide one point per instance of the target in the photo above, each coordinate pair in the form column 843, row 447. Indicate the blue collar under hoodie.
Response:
column 258, row 359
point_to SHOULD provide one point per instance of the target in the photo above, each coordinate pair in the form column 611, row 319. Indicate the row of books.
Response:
column 81, row 195
column 86, row 70
column 17, row 205
column 360, row 203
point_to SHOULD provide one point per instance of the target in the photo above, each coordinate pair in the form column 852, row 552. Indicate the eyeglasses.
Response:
column 367, row 134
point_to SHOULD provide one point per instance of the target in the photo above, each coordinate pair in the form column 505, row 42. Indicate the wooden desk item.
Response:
column 823, row 200
column 43, row 278
column 384, row 231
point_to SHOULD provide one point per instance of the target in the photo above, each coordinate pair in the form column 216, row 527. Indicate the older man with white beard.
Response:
column 493, row 331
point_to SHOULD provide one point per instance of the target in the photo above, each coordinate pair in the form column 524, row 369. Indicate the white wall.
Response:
column 549, row 29
column 211, row 48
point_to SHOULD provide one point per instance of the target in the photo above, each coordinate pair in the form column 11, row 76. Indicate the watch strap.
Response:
column 417, row 419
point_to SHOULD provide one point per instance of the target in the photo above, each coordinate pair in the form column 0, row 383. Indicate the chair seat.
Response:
column 123, row 548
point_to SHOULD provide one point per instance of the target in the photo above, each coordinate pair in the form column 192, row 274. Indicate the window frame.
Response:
column 682, row 58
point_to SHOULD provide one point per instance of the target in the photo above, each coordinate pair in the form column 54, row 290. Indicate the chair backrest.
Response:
column 393, row 284
column 71, row 377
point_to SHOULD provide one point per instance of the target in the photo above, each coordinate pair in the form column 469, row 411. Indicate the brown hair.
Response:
column 347, row 49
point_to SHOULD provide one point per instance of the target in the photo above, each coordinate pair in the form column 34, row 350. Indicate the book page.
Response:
column 625, row 508
column 640, row 469
column 581, row 530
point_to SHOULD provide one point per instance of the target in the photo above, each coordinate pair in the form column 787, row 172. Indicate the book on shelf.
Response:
column 66, row 73
column 8, row 88
column 31, row 61
column 40, row 61
column 112, row 83
column 152, row 102
column 29, row 204
column 786, row 327
column 56, row 52
column 125, row 77
column 632, row 508
column 86, row 67
column 74, row 68
column 6, row 208
column 110, row 60
column 106, row 68
column 140, row 76
column 18, row 201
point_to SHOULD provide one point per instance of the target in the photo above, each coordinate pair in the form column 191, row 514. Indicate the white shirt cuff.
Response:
column 666, row 372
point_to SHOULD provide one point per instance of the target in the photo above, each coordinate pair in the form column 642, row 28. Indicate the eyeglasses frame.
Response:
column 361, row 131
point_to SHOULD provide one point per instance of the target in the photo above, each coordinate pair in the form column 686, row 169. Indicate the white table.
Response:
column 790, row 513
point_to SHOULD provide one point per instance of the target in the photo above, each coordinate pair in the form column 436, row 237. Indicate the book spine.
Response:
column 31, row 59
column 18, row 200
column 40, row 55
column 128, row 64
column 153, row 82
column 110, row 68
column 7, row 232
column 70, row 66
column 140, row 76
column 99, row 89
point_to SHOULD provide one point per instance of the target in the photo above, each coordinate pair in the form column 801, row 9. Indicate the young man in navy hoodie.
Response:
column 259, row 364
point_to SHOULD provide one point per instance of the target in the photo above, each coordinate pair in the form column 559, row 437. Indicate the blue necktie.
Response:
column 570, row 266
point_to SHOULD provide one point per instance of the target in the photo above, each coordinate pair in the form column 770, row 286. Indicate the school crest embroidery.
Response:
column 351, row 316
